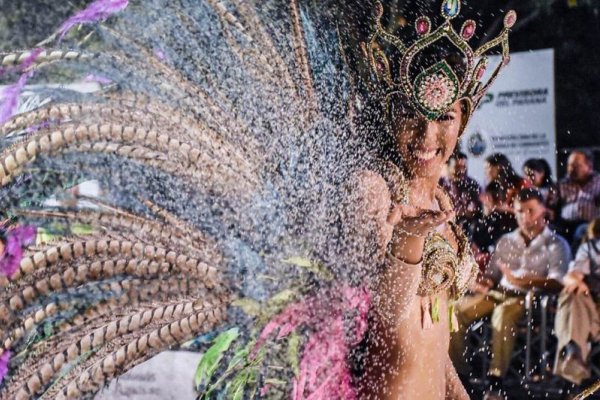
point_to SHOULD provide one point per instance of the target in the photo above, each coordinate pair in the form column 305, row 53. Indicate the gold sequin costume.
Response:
column 443, row 268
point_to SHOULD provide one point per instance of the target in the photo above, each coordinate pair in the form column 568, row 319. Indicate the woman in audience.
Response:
column 499, row 168
column 539, row 173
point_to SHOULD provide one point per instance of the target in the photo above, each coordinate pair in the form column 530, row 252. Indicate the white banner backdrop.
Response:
column 516, row 117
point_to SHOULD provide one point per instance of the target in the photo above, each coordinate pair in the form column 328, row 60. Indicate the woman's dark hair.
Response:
column 495, row 190
column 540, row 165
column 547, row 173
column 506, row 173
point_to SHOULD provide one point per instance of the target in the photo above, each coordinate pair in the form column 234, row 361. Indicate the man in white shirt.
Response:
column 529, row 258
column 577, row 318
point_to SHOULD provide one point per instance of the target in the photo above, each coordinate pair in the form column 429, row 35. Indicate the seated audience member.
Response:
column 579, row 196
column 577, row 319
column 498, row 167
column 497, row 221
column 530, row 258
column 464, row 191
column 538, row 171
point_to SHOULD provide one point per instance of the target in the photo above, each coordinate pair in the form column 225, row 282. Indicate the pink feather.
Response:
column 10, row 94
column 16, row 240
column 25, row 64
column 97, row 11
column 324, row 370
column 10, row 98
column 4, row 360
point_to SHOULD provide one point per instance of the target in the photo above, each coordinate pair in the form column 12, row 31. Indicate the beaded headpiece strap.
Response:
column 435, row 89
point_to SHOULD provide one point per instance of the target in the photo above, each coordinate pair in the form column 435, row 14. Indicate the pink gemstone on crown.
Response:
column 378, row 9
column 480, row 72
column 510, row 19
column 468, row 29
column 422, row 25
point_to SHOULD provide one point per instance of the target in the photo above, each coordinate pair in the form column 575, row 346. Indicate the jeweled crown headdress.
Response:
column 435, row 89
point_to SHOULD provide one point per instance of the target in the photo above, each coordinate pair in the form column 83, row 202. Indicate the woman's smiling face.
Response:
column 425, row 146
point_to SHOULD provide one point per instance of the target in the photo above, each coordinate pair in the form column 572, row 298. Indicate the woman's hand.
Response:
column 574, row 283
column 410, row 227
column 415, row 221
column 400, row 228
column 577, row 288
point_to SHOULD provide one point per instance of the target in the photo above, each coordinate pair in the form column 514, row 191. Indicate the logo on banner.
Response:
column 476, row 144
column 488, row 98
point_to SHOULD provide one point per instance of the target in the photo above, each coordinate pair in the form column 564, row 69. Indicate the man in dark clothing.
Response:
column 498, row 218
column 464, row 192
column 579, row 196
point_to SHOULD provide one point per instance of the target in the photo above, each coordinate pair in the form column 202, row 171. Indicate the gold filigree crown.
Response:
column 433, row 89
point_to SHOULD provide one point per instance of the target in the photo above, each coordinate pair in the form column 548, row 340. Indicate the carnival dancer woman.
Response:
column 406, row 351
column 428, row 264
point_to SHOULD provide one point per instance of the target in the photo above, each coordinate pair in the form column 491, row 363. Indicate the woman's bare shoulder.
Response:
column 369, row 180
column 370, row 193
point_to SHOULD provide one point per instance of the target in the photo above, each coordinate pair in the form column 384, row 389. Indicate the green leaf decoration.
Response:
column 276, row 303
column 283, row 298
column 315, row 267
column 240, row 356
column 43, row 236
column 212, row 357
column 246, row 379
column 82, row 229
column 293, row 352
column 251, row 307
column 48, row 330
column 299, row 261
column 236, row 389
column 323, row 271
column 48, row 233
column 237, row 362
column 265, row 311
column 275, row 382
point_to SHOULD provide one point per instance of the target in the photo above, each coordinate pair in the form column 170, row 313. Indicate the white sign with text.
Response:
column 516, row 117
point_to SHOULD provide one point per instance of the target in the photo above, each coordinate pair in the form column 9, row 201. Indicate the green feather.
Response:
column 212, row 358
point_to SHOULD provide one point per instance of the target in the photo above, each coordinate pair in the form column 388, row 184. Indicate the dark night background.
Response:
column 571, row 27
